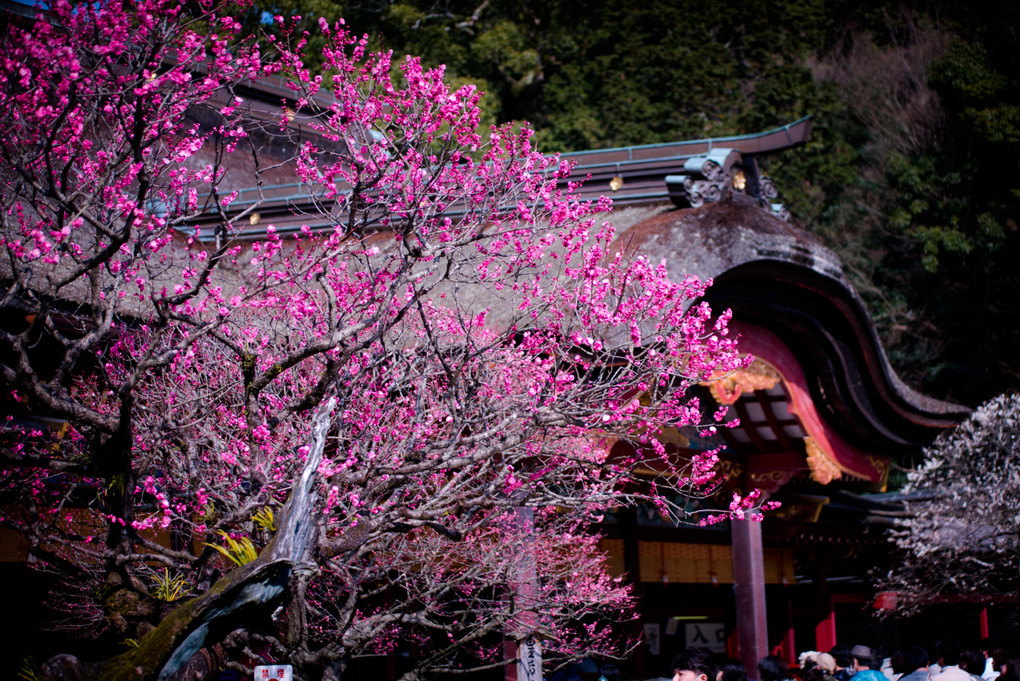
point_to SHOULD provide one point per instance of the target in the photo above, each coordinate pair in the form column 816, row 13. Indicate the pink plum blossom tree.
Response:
column 389, row 427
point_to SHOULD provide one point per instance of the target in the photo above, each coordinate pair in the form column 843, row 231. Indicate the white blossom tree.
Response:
column 962, row 536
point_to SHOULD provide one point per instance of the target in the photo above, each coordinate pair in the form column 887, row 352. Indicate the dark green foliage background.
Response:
column 913, row 171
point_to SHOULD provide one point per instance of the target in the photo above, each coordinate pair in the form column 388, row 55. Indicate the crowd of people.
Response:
column 945, row 661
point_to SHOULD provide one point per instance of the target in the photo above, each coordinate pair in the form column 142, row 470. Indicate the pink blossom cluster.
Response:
column 486, row 349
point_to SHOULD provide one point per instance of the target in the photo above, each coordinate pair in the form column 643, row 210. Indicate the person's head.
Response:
column 947, row 651
column 733, row 670
column 897, row 663
column 1008, row 664
column 772, row 668
column 972, row 661
column 694, row 664
column 862, row 657
column 841, row 653
column 915, row 658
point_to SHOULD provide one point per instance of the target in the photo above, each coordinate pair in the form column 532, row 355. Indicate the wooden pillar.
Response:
column 749, row 583
column 789, row 641
column 632, row 564
column 510, row 653
column 527, row 590
column 983, row 623
column 825, row 615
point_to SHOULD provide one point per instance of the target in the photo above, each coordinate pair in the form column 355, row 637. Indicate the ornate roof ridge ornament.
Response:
column 717, row 175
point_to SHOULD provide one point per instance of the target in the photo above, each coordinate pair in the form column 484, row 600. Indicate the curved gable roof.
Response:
column 780, row 279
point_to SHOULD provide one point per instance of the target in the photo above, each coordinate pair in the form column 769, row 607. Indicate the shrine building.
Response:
column 823, row 417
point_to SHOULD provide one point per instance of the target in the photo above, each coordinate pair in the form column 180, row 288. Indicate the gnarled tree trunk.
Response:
column 241, row 598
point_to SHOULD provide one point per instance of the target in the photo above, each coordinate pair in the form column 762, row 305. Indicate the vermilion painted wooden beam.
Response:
column 765, row 345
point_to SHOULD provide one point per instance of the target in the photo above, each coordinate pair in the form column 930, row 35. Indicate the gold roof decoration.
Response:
column 760, row 375
column 823, row 468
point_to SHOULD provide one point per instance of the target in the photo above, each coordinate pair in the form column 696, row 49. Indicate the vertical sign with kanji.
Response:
column 529, row 662
column 652, row 638
column 274, row 672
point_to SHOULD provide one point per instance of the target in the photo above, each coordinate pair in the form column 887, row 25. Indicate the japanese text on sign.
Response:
column 274, row 672
column 529, row 662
